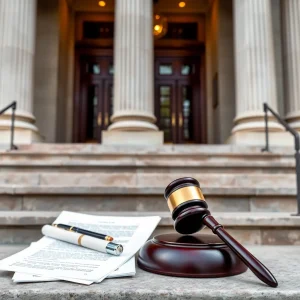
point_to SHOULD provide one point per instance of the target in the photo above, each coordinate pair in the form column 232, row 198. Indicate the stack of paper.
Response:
column 50, row 259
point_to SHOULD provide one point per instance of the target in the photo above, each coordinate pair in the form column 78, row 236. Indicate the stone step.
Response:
column 199, row 148
column 91, row 158
column 94, row 177
column 23, row 227
column 144, row 179
column 121, row 198
column 92, row 166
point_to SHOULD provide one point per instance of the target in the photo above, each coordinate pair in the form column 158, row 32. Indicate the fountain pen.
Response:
column 85, row 232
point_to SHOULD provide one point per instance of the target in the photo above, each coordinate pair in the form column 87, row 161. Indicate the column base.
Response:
column 133, row 125
column 133, row 121
column 146, row 138
column 249, row 130
column 254, row 122
column 245, row 138
column 293, row 120
column 25, row 132
column 21, row 137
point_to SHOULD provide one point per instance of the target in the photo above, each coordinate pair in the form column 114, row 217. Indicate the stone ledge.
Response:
column 192, row 159
column 249, row 228
column 179, row 162
column 108, row 163
column 283, row 262
column 12, row 189
column 23, row 218
column 189, row 149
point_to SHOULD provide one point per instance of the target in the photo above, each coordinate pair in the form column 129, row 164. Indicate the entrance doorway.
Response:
column 178, row 98
column 178, row 79
column 94, row 105
column 179, row 107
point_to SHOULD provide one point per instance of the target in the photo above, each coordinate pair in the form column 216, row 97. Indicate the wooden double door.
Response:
column 94, row 98
column 177, row 98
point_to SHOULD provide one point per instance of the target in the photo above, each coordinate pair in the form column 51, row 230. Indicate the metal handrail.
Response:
column 13, row 105
column 297, row 146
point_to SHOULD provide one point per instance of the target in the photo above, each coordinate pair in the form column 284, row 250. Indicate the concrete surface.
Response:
column 284, row 263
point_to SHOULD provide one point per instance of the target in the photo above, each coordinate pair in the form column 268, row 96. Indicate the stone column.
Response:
column 254, row 70
column 133, row 114
column 291, row 50
column 17, row 45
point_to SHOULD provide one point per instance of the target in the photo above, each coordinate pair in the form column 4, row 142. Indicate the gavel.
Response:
column 190, row 214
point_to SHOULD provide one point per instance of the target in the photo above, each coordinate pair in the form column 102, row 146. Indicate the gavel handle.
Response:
column 252, row 262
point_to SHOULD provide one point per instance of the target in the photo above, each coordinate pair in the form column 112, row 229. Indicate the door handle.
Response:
column 173, row 120
column 180, row 120
column 106, row 121
column 99, row 119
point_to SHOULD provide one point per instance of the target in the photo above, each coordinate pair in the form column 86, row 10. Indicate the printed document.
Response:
column 60, row 260
column 126, row 270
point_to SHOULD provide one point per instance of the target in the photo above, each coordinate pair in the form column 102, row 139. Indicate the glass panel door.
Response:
column 108, row 102
column 92, row 113
column 186, row 113
column 178, row 100
column 166, row 110
column 95, row 98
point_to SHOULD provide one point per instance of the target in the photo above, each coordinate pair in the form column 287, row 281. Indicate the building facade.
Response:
column 149, row 72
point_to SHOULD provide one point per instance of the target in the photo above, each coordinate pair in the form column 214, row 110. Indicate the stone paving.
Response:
column 283, row 261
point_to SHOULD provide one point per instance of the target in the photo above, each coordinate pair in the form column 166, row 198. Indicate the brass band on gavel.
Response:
column 184, row 194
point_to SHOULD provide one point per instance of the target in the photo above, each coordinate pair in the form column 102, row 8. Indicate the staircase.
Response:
column 253, row 193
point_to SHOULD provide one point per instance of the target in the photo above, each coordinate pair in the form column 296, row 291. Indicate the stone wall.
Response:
column 65, row 75
column 211, row 52
column 226, row 70
column 220, row 71
column 46, row 68
column 54, row 61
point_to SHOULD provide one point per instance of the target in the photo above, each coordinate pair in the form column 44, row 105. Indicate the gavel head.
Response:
column 187, row 205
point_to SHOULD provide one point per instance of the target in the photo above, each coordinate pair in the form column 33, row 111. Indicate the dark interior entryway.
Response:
column 179, row 106
column 94, row 105
column 178, row 80
column 178, row 98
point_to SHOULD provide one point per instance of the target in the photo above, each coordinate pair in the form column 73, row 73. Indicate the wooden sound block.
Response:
column 201, row 255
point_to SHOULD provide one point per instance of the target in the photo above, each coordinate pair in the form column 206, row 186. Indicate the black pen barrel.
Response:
column 84, row 231
column 89, row 233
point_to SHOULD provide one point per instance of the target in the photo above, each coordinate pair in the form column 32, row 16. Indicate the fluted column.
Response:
column 133, row 80
column 17, row 48
column 291, row 50
column 133, row 97
column 255, row 65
